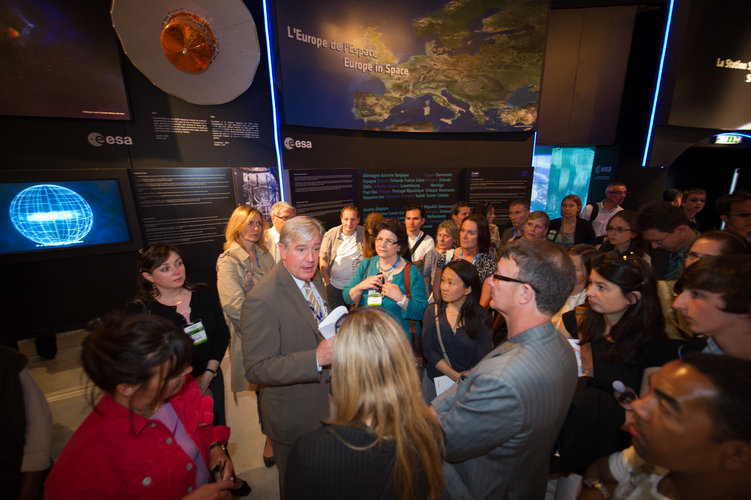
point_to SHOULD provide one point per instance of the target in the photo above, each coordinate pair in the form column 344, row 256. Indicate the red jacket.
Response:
column 116, row 453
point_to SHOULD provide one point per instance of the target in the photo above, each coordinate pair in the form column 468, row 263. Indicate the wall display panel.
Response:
column 187, row 207
column 60, row 59
column 257, row 187
column 419, row 66
column 388, row 192
column 713, row 77
column 57, row 214
column 179, row 133
column 500, row 186
column 322, row 193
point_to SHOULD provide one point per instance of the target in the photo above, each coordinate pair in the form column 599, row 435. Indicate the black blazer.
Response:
column 583, row 232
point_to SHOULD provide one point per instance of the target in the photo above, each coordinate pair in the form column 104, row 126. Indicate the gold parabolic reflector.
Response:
column 202, row 51
column 188, row 42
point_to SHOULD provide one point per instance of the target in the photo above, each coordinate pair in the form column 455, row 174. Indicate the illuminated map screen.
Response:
column 416, row 66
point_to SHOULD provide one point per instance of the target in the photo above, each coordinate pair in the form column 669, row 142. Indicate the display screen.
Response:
column 38, row 216
column 559, row 172
column 418, row 66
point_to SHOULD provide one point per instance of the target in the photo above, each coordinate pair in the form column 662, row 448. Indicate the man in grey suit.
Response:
column 283, row 351
column 501, row 419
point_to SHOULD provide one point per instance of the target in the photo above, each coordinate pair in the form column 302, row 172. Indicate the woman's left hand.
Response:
column 218, row 455
column 392, row 291
column 203, row 382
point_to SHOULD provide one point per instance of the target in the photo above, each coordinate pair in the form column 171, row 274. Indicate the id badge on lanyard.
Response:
column 196, row 332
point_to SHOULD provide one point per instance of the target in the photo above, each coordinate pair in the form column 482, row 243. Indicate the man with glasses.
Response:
column 666, row 227
column 501, row 419
column 691, row 437
column 281, row 212
column 735, row 211
column 600, row 213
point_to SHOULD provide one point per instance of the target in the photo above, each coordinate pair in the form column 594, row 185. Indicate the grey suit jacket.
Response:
column 501, row 420
column 279, row 339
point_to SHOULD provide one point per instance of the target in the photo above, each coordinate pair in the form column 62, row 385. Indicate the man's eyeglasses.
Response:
column 501, row 277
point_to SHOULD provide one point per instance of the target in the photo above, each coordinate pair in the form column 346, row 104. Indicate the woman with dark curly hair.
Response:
column 621, row 332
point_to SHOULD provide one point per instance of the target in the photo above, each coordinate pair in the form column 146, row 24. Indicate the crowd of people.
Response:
column 479, row 364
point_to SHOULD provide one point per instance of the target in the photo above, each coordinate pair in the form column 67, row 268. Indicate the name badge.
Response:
column 374, row 298
column 197, row 332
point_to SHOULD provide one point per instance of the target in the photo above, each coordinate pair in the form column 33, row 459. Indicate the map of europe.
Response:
column 429, row 66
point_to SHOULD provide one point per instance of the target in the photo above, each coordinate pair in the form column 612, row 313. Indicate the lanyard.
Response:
column 388, row 273
column 461, row 252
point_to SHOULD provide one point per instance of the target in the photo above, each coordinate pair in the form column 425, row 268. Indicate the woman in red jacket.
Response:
column 150, row 435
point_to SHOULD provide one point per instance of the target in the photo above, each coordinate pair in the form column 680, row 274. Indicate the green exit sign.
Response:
column 728, row 139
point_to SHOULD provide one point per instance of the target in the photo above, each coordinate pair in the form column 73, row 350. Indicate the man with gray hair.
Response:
column 281, row 212
column 600, row 213
column 283, row 351
column 501, row 419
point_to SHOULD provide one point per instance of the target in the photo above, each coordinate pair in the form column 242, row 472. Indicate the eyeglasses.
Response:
column 619, row 229
column 501, row 277
column 742, row 215
column 285, row 218
column 384, row 241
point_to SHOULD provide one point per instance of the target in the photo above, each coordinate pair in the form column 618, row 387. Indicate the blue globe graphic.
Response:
column 51, row 215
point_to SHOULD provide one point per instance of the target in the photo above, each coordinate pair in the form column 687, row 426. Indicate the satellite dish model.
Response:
column 202, row 51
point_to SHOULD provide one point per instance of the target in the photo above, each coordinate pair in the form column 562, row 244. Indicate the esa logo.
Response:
column 291, row 144
column 96, row 139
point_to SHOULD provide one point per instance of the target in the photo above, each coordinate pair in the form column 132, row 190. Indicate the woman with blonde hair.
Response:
column 244, row 262
column 383, row 441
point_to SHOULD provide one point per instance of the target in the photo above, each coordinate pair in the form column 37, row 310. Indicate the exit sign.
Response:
column 728, row 139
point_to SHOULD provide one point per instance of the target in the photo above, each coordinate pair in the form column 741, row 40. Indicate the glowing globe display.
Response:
column 51, row 215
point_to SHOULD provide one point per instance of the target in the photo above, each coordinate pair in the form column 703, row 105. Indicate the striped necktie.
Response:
column 313, row 302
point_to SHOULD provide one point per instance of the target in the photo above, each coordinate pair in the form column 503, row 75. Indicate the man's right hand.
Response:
column 325, row 351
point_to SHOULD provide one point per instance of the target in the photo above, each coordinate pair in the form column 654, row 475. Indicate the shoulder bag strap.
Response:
column 354, row 306
column 417, row 244
column 440, row 338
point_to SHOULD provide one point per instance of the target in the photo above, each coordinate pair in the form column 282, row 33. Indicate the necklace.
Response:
column 391, row 270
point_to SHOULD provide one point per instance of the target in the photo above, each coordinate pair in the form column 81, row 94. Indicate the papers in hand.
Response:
column 442, row 384
column 327, row 327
